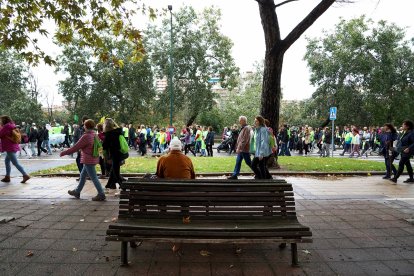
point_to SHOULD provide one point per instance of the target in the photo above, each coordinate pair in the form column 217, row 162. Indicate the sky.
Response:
column 241, row 23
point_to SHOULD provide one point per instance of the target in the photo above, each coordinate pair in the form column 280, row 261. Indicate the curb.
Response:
column 282, row 173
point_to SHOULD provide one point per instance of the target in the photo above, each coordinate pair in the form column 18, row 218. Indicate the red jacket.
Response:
column 8, row 145
column 85, row 145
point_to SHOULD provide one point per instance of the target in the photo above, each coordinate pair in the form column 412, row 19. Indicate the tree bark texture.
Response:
column 275, row 51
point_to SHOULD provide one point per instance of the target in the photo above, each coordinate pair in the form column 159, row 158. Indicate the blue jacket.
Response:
column 262, row 142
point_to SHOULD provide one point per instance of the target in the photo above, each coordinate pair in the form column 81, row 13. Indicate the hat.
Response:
column 175, row 144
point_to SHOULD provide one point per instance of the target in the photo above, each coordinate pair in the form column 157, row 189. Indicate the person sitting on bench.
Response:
column 175, row 165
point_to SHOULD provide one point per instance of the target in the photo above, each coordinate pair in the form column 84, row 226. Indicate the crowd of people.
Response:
column 258, row 141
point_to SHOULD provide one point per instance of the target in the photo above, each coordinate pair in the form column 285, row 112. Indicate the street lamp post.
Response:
column 171, row 69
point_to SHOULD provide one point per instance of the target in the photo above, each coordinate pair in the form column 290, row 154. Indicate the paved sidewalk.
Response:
column 358, row 225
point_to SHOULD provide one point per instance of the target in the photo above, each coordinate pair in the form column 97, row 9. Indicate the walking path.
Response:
column 359, row 227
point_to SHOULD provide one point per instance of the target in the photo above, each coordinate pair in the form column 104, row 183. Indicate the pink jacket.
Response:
column 6, row 144
column 85, row 145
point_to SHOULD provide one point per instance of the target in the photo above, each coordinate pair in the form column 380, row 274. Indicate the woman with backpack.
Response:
column 85, row 146
column 112, row 148
column 10, row 144
column 262, row 150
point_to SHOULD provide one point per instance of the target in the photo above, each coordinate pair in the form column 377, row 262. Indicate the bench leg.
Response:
column 294, row 248
column 124, row 253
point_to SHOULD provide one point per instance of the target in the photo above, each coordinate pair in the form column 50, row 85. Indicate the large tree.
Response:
column 366, row 70
column 16, row 100
column 97, row 88
column 276, row 48
column 200, row 52
column 22, row 23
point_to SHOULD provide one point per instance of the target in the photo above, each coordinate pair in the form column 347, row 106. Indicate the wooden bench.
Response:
column 208, row 211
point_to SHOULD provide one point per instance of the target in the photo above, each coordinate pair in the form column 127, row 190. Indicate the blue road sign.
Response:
column 332, row 113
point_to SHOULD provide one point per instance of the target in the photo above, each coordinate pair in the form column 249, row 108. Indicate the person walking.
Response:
column 33, row 140
column 242, row 147
column 284, row 141
column 112, row 147
column 77, row 134
column 262, row 149
column 85, row 146
column 10, row 140
column 40, row 138
column 46, row 143
column 406, row 148
column 187, row 142
column 210, row 141
column 356, row 141
column 389, row 136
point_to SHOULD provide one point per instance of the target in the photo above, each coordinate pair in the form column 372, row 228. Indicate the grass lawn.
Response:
column 226, row 164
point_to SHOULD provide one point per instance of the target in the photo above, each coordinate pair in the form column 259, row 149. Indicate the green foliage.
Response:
column 20, row 21
column 213, row 118
column 245, row 100
column 15, row 98
column 199, row 53
column 96, row 88
column 366, row 69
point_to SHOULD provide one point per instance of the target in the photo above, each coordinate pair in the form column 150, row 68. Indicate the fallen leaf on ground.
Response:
column 106, row 220
column 205, row 253
column 239, row 250
column 29, row 254
column 114, row 219
column 175, row 248
column 231, row 266
column 306, row 251
column 186, row 220
column 82, row 220
column 74, row 249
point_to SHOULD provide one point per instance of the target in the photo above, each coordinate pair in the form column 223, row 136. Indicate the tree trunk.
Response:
column 272, row 91
column 275, row 50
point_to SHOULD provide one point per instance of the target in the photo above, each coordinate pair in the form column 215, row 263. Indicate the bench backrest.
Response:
column 204, row 198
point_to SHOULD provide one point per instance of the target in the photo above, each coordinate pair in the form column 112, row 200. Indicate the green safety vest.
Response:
column 125, row 130
column 200, row 135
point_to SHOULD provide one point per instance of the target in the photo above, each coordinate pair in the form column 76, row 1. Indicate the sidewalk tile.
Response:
column 347, row 268
column 38, row 269
column 402, row 267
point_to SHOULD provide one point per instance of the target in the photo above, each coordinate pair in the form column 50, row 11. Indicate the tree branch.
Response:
column 284, row 2
column 303, row 25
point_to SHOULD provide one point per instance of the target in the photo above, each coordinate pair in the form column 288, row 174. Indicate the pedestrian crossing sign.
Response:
column 332, row 113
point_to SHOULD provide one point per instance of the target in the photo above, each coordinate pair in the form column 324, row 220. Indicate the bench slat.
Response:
column 210, row 240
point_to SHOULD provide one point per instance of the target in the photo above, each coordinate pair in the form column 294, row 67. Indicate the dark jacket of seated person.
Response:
column 175, row 165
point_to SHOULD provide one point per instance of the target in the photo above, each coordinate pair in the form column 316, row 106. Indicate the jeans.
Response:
column 390, row 166
column 209, row 150
column 346, row 148
column 260, row 168
column 156, row 145
column 12, row 158
column 78, row 163
column 239, row 159
column 89, row 170
column 284, row 150
column 197, row 146
column 325, row 150
column 46, row 145
column 32, row 148
column 404, row 161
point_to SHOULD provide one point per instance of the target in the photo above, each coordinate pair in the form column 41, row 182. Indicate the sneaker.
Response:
column 74, row 193
column 99, row 198
column 386, row 177
column 232, row 177
column 409, row 180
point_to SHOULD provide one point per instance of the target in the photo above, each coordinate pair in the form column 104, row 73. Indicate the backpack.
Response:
column 15, row 136
column 123, row 145
column 97, row 147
